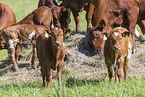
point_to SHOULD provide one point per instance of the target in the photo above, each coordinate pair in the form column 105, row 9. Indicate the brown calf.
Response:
column 117, row 52
column 40, row 16
column 7, row 18
column 22, row 34
column 51, row 53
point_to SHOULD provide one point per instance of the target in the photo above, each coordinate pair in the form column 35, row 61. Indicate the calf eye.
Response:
column 97, row 35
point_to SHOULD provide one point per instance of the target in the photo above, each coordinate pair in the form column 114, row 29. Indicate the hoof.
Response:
column 134, row 51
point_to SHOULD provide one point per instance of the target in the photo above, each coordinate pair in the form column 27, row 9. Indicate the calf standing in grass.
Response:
column 51, row 53
column 117, row 52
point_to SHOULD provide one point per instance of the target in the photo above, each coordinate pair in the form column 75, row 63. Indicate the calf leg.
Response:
column 110, row 72
column 120, row 68
column 11, row 52
column 49, row 77
column 43, row 73
column 34, row 58
column 59, row 74
column 126, row 67
column 17, row 52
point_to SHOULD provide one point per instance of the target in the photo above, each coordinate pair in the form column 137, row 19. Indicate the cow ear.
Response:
column 63, row 8
column 67, row 32
column 126, row 34
column 105, row 36
column 102, row 24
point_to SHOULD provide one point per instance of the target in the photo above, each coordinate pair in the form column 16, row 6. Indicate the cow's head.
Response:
column 56, row 40
column 57, row 13
column 97, row 36
column 116, row 36
column 65, row 18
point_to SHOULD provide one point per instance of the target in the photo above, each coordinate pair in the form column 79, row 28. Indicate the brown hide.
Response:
column 56, row 11
column 117, row 52
column 7, row 18
column 77, row 6
column 51, row 52
column 22, row 34
column 132, row 12
column 40, row 16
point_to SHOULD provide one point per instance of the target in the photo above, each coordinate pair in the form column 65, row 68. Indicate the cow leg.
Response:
column 34, row 58
column 126, row 67
column 110, row 72
column 11, row 52
column 17, row 52
column 49, row 77
column 77, row 20
column 89, row 14
column 141, row 24
column 132, row 18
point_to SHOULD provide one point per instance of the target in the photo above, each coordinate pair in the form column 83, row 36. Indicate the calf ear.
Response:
column 102, row 24
column 105, row 36
column 126, row 34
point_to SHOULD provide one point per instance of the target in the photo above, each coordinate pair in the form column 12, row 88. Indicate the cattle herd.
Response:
column 113, row 32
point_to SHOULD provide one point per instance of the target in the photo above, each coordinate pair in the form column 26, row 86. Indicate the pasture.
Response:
column 84, row 74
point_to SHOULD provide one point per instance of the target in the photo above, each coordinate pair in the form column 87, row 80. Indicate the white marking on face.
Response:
column 52, row 26
column 115, row 33
column 119, row 27
column 46, row 34
column 11, row 42
column 31, row 35
column 35, row 48
column 129, row 50
column 137, row 33
column 56, row 28
column 104, row 38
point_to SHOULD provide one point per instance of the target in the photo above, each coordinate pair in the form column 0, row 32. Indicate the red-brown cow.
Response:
column 51, row 53
column 22, row 34
column 132, row 11
column 117, row 52
column 77, row 6
column 7, row 18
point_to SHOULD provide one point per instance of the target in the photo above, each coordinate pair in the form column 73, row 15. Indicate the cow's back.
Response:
column 7, row 16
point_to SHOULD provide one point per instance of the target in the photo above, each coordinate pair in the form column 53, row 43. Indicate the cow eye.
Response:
column 96, row 35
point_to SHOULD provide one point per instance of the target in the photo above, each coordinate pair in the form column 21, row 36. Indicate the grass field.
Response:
column 84, row 74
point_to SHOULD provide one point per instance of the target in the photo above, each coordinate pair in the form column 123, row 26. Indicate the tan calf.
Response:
column 22, row 34
column 51, row 53
column 117, row 52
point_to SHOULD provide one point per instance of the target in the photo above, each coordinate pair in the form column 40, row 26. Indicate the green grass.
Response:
column 28, row 82
column 3, row 54
column 132, row 88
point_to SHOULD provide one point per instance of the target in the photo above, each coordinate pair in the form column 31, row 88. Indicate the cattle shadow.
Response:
column 71, row 81
column 7, row 66
column 85, row 48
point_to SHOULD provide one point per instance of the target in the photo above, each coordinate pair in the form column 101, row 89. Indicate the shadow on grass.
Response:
column 76, row 82
column 7, row 66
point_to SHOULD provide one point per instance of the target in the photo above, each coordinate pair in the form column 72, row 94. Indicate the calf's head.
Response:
column 57, row 40
column 116, row 37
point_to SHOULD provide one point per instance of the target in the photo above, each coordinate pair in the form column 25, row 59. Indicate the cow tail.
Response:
column 0, row 40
